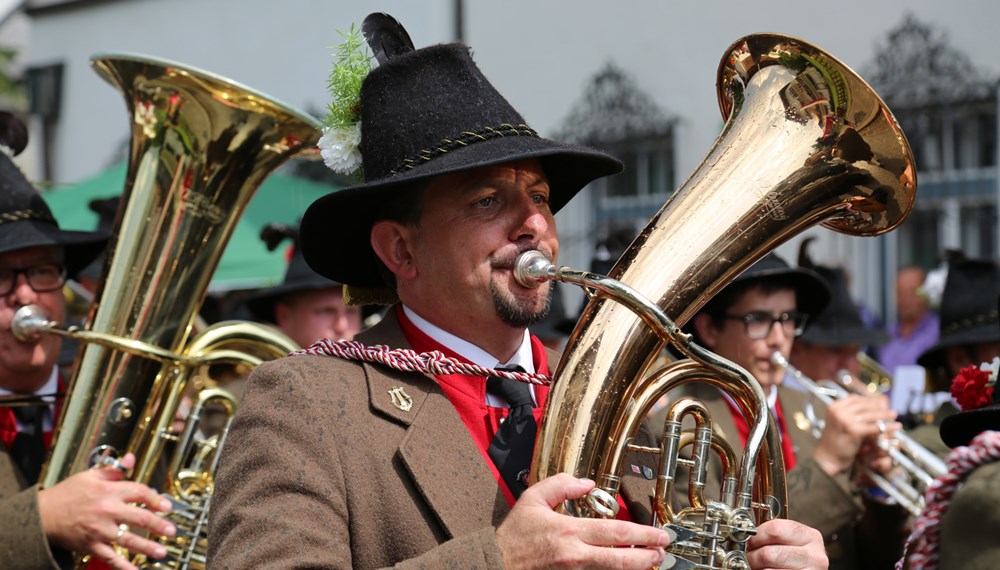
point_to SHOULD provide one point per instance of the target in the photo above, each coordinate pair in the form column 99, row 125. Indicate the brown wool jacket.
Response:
column 829, row 504
column 322, row 471
column 23, row 545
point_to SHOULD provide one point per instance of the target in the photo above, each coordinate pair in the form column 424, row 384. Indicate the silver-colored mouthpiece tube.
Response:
column 532, row 269
column 29, row 322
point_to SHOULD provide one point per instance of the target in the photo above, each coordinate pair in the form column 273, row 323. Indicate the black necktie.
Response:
column 514, row 441
column 28, row 450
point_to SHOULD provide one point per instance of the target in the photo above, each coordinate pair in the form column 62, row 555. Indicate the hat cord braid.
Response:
column 921, row 550
column 21, row 215
column 407, row 360
column 464, row 138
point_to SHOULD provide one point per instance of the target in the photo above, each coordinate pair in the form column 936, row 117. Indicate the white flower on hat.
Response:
column 339, row 148
column 342, row 125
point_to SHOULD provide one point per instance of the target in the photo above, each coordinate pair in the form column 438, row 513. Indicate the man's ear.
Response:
column 390, row 240
column 705, row 327
column 281, row 312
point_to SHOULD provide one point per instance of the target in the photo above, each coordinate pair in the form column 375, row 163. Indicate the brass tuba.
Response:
column 806, row 141
column 201, row 146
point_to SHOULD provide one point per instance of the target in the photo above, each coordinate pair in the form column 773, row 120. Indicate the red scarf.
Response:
column 787, row 451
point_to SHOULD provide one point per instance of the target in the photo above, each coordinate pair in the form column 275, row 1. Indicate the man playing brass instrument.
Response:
column 761, row 312
column 90, row 511
column 333, row 463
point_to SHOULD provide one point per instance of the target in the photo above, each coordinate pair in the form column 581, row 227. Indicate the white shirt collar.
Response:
column 469, row 351
column 477, row 355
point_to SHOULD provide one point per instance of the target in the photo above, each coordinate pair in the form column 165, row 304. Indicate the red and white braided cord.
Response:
column 408, row 360
column 921, row 550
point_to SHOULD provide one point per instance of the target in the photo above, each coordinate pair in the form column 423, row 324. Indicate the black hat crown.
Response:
column 960, row 428
column 812, row 294
column 967, row 314
column 839, row 324
column 25, row 219
column 427, row 112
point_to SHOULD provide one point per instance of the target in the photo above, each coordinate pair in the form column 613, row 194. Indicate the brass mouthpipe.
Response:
column 30, row 322
column 532, row 268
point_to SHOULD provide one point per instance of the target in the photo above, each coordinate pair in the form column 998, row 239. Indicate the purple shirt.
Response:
column 904, row 351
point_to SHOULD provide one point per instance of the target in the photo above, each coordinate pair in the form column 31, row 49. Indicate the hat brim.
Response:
column 261, row 304
column 80, row 247
column 335, row 229
column 960, row 428
column 935, row 355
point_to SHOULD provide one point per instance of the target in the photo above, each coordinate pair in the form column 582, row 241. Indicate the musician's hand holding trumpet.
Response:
column 852, row 427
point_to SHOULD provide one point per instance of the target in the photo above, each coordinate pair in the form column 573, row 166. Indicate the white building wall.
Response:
column 539, row 53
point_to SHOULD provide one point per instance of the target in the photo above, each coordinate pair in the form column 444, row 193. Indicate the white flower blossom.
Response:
column 339, row 148
column 993, row 368
column 933, row 286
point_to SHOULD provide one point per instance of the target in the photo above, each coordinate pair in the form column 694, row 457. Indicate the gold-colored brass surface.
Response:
column 806, row 141
column 201, row 145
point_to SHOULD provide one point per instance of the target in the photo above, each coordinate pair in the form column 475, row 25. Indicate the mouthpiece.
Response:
column 28, row 323
column 779, row 359
column 531, row 268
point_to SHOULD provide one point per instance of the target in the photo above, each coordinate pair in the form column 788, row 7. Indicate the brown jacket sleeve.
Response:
column 23, row 545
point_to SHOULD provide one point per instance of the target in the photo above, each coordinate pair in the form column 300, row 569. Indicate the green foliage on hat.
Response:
column 353, row 62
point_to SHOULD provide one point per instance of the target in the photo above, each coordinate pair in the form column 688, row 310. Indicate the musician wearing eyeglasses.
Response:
column 92, row 510
column 760, row 313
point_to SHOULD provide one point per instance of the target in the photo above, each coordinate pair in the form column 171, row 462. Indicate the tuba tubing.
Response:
column 201, row 145
column 806, row 142
column 842, row 162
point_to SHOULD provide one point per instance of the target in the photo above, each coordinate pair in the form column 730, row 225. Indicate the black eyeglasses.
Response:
column 41, row 278
column 757, row 324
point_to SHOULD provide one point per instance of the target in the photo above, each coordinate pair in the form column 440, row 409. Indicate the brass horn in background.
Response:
column 917, row 466
column 201, row 145
column 806, row 141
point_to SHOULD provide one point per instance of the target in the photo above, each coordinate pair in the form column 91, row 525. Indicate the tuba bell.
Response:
column 806, row 141
column 201, row 145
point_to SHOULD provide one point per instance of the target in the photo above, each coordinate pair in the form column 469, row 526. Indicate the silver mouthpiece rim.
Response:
column 532, row 268
column 28, row 323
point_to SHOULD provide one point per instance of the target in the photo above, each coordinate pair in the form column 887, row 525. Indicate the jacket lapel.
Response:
column 793, row 404
column 436, row 450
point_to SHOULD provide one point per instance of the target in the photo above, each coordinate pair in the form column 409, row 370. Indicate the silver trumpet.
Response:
column 917, row 466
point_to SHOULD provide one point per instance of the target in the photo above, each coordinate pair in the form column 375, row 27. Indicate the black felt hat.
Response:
column 298, row 276
column 961, row 427
column 25, row 219
column 967, row 314
column 812, row 294
column 839, row 324
column 427, row 112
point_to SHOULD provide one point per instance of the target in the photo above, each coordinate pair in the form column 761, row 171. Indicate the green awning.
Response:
column 246, row 263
